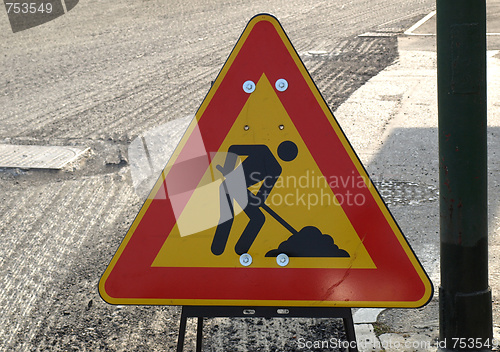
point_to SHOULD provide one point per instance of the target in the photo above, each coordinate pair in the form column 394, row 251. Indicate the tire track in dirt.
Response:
column 40, row 256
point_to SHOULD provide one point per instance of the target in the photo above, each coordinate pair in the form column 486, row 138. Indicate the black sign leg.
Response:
column 199, row 334
column 201, row 312
column 350, row 334
column 182, row 331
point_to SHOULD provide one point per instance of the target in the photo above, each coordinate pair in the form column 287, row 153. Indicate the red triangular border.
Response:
column 398, row 280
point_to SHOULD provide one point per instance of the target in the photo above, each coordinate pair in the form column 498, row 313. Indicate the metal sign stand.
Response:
column 201, row 312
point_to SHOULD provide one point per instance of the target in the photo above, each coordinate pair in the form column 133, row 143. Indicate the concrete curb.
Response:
column 404, row 96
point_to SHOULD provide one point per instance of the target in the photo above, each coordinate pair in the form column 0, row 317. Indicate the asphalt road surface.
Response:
column 98, row 77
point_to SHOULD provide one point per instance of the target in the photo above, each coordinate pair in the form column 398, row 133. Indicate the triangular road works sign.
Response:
column 265, row 203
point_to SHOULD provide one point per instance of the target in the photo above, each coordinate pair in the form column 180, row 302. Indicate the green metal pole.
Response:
column 464, row 295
